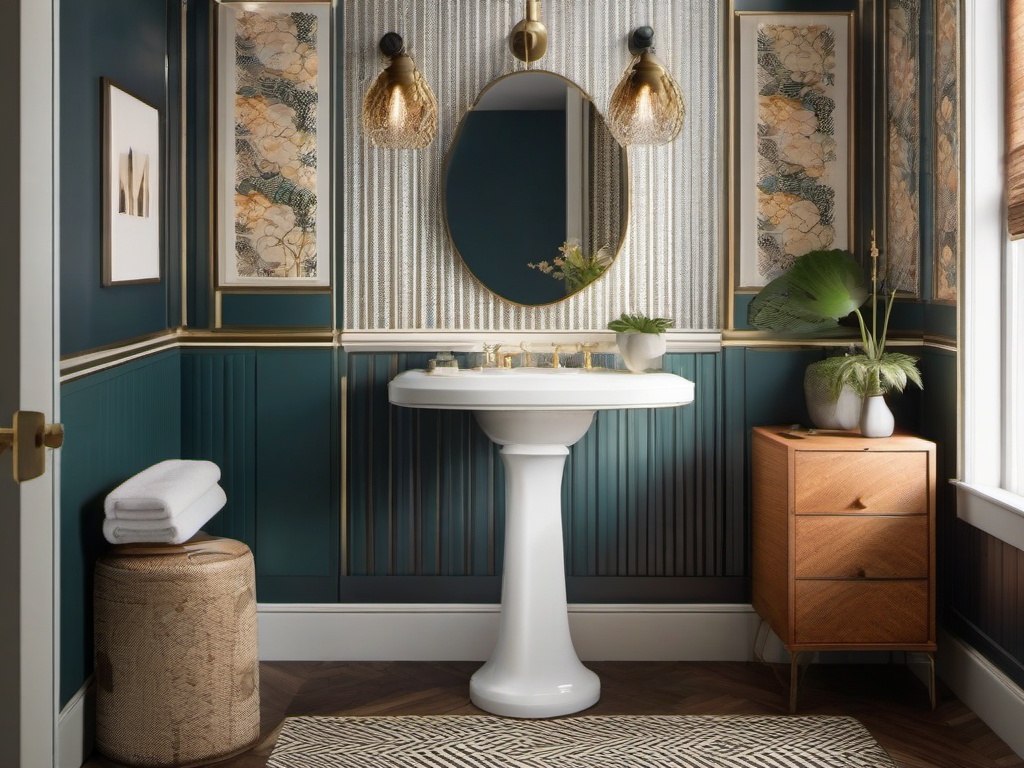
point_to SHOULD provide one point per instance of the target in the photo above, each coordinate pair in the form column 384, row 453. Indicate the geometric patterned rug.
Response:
column 605, row 741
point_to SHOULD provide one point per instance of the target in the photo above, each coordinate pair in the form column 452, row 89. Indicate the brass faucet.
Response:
column 555, row 362
column 491, row 355
column 505, row 358
column 527, row 356
column 587, row 348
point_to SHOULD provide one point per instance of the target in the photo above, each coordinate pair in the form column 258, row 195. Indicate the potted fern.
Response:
column 873, row 372
column 640, row 340
column 821, row 288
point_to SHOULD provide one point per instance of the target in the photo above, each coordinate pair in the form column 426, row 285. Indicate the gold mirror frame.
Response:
column 626, row 203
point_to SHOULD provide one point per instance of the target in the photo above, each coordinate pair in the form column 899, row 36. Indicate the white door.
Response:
column 28, row 381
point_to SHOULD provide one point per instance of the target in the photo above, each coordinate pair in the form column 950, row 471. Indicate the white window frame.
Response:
column 989, row 491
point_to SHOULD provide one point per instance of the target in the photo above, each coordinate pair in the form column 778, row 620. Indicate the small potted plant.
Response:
column 640, row 340
column 821, row 288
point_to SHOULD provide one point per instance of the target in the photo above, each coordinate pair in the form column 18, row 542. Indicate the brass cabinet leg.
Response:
column 794, row 679
column 760, row 641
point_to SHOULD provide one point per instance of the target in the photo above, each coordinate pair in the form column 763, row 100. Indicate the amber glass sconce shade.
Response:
column 647, row 106
column 399, row 111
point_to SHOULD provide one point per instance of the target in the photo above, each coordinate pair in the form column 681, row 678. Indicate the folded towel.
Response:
column 161, row 491
column 176, row 530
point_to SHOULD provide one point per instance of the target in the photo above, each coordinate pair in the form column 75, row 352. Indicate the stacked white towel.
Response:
column 166, row 503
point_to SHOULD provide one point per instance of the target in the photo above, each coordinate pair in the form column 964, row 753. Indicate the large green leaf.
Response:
column 820, row 288
column 773, row 309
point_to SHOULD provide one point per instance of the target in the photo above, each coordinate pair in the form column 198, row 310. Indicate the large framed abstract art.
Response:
column 792, row 138
column 274, row 141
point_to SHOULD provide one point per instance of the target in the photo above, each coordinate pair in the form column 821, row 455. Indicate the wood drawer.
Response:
column 855, row 546
column 867, row 482
column 856, row 612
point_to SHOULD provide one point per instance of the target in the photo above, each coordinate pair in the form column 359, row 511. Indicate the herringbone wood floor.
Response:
column 886, row 698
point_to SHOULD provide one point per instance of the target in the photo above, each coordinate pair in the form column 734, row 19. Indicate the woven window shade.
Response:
column 1015, row 116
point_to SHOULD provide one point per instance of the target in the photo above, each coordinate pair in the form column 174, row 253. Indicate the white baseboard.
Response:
column 984, row 688
column 467, row 632
column 75, row 728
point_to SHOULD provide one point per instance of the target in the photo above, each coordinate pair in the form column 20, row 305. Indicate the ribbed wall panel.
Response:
column 643, row 494
column 426, row 487
column 219, row 425
column 401, row 271
column 117, row 422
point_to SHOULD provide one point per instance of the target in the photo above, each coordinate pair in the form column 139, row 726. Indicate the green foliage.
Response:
column 870, row 376
column 811, row 296
column 575, row 267
column 639, row 324
column 821, row 288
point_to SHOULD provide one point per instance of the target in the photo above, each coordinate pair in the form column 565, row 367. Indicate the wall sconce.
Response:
column 529, row 38
column 399, row 111
column 647, row 106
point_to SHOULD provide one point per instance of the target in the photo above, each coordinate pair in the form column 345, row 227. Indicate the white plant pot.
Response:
column 641, row 351
column 876, row 420
column 826, row 411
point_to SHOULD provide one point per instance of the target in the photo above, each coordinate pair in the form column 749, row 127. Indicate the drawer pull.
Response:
column 861, row 573
column 858, row 503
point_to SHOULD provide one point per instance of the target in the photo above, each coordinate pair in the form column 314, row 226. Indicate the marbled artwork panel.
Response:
column 796, row 144
column 274, row 171
column 793, row 139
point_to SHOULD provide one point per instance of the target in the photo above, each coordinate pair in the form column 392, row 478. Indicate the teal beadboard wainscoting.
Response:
column 117, row 422
column 269, row 418
column 646, row 516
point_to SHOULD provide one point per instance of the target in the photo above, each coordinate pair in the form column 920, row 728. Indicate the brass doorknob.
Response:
column 30, row 436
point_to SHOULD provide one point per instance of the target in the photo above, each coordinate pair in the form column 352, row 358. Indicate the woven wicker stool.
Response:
column 177, row 672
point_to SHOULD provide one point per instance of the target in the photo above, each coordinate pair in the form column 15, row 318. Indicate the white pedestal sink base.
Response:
column 535, row 413
column 534, row 670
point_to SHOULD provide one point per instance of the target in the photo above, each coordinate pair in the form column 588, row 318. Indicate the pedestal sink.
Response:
column 535, row 414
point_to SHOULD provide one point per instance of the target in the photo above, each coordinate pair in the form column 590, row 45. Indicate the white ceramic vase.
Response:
column 826, row 411
column 876, row 420
column 641, row 351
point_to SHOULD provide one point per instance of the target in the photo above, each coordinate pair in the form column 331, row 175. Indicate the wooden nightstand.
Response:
column 844, row 542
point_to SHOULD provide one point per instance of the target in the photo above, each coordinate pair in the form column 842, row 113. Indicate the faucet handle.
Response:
column 505, row 358
column 587, row 348
column 527, row 355
column 491, row 354
column 555, row 362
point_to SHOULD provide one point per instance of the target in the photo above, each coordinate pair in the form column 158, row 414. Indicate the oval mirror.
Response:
column 535, row 189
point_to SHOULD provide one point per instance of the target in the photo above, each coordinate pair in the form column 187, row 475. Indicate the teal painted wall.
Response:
column 269, row 418
column 250, row 310
column 131, row 42
column 117, row 423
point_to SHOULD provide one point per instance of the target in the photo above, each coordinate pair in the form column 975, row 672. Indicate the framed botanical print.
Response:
column 274, row 142
column 792, row 133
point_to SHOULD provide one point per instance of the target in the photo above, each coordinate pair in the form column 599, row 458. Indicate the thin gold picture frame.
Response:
column 736, row 229
column 133, row 188
column 224, row 279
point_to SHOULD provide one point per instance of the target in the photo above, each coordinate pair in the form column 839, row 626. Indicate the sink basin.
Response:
column 539, row 389
column 535, row 414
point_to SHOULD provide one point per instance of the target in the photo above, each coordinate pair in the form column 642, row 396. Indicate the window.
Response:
column 991, row 490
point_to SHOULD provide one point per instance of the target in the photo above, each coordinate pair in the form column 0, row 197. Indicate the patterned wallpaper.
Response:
column 948, row 121
column 400, row 271
column 902, row 249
